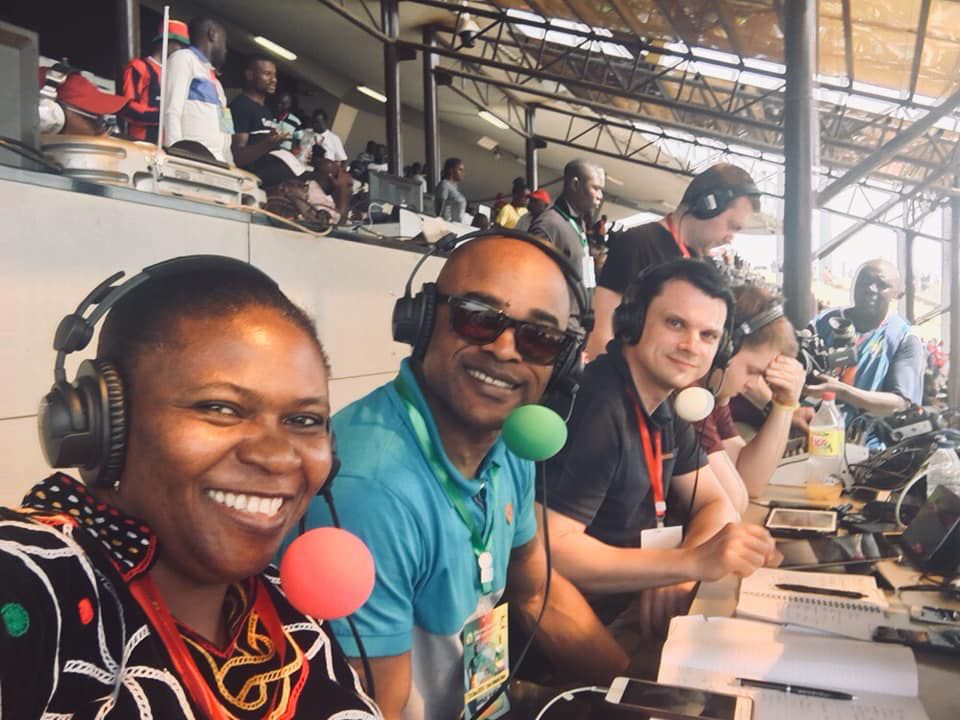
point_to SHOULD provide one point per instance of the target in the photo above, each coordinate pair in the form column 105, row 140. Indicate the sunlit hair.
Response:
column 750, row 302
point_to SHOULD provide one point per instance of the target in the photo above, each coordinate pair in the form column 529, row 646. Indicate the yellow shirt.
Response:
column 509, row 215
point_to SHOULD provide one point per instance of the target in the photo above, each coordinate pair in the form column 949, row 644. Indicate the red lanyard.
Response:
column 684, row 250
column 149, row 598
column 653, row 454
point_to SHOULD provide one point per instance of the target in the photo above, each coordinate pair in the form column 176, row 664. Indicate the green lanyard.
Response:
column 480, row 541
column 576, row 226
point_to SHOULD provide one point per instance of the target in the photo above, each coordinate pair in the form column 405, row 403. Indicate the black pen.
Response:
column 852, row 594
column 796, row 689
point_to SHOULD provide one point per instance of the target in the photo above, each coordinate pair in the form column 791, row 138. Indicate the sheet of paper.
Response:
column 760, row 598
column 775, row 705
column 734, row 648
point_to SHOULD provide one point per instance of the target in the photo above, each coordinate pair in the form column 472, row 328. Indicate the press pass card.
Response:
column 486, row 663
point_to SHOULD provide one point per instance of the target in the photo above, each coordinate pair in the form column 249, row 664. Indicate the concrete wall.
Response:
column 57, row 244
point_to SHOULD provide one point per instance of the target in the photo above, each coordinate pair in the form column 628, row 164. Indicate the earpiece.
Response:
column 414, row 316
column 715, row 201
column 52, row 117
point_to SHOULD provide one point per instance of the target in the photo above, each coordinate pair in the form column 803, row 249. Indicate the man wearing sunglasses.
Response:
column 636, row 514
column 446, row 509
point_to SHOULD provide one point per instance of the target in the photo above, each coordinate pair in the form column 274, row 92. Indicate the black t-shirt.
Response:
column 634, row 250
column 251, row 118
column 600, row 477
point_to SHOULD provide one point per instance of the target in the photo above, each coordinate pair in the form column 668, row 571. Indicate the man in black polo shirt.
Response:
column 255, row 131
column 716, row 204
column 632, row 474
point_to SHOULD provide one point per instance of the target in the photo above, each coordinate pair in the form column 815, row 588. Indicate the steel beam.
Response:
column 918, row 46
column 431, row 138
column 800, row 34
column 530, row 146
column 127, row 18
column 953, row 332
column 876, row 214
column 886, row 152
column 390, row 19
column 905, row 240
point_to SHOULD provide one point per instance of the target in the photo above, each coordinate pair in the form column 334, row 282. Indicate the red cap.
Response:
column 76, row 90
column 828, row 395
column 177, row 31
column 540, row 194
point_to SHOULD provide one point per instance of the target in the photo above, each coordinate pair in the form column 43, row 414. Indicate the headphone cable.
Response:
column 541, row 472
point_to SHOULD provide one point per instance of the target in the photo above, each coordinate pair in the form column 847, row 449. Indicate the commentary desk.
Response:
column 939, row 674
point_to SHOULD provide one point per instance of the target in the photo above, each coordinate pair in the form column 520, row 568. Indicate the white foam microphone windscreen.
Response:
column 693, row 404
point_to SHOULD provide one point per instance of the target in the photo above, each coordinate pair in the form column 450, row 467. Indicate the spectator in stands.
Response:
column 888, row 375
column 367, row 155
column 537, row 202
column 255, row 132
column 146, row 591
column 196, row 106
column 287, row 123
column 716, row 204
column 565, row 224
column 630, row 466
column 331, row 188
column 72, row 105
column 512, row 211
column 424, row 467
column 379, row 161
column 416, row 173
column 450, row 203
column 326, row 138
column 142, row 83
column 766, row 350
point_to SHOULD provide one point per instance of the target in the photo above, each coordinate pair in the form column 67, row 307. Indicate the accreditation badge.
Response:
column 662, row 538
column 588, row 270
column 486, row 662
column 226, row 121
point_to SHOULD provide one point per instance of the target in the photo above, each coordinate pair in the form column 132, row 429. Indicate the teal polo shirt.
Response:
column 427, row 581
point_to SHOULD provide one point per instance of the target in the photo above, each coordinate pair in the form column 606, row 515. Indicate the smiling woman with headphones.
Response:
column 201, row 432
column 716, row 204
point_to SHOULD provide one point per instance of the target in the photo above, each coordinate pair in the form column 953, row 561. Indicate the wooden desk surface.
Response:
column 939, row 674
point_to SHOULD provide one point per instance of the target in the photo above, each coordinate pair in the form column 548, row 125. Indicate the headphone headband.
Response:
column 83, row 423
column 714, row 201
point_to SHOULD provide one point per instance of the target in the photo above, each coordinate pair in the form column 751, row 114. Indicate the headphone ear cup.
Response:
column 426, row 318
column 63, row 427
column 100, row 384
column 628, row 318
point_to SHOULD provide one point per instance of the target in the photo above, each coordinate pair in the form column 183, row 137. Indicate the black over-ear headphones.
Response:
column 414, row 316
column 83, row 423
column 631, row 313
column 751, row 325
column 714, row 201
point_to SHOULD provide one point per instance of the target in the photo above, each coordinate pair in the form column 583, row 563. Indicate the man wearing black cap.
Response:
column 716, row 204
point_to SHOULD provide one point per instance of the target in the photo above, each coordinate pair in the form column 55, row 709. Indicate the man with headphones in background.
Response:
column 636, row 514
column 430, row 486
column 716, row 204
column 72, row 105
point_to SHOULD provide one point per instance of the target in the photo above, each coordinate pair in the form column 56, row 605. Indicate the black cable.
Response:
column 368, row 673
column 542, row 479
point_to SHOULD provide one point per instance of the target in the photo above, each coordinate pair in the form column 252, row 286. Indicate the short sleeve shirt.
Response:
column 427, row 580
column 600, row 477
column 633, row 251
column 715, row 428
column 252, row 118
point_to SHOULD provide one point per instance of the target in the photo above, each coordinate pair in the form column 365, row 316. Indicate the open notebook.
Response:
column 712, row 653
column 761, row 599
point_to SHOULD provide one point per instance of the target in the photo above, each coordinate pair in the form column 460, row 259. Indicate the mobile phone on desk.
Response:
column 681, row 703
column 941, row 640
column 940, row 616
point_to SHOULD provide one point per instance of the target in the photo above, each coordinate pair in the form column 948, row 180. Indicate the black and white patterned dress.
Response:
column 75, row 643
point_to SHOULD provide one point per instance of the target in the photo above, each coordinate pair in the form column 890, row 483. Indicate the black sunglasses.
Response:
column 479, row 323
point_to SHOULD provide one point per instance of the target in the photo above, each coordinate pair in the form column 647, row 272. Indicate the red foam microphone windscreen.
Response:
column 327, row 573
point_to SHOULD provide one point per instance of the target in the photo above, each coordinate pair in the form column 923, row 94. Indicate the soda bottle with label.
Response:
column 826, row 440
